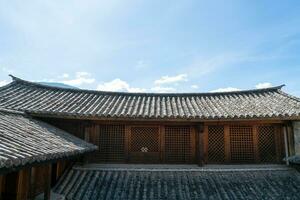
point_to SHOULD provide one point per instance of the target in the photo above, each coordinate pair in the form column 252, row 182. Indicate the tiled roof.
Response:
column 24, row 140
column 250, row 104
column 85, row 184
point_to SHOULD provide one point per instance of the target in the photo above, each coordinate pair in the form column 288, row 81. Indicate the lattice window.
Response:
column 216, row 144
column 144, row 139
column 266, row 143
column 178, row 144
column 241, row 144
column 111, row 142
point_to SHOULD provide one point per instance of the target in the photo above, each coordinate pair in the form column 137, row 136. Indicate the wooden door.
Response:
column 242, row 144
column 110, row 139
column 179, row 144
column 144, row 144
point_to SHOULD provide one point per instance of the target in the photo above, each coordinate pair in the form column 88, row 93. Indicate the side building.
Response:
column 33, row 155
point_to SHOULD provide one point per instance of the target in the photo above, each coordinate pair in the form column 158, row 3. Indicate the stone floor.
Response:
column 179, row 182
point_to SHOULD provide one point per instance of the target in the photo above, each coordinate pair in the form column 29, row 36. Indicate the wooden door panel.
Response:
column 178, row 144
column 110, row 140
column 241, row 144
column 144, row 144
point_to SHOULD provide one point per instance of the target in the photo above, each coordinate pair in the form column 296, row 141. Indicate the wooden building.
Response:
column 252, row 126
column 45, row 129
column 33, row 155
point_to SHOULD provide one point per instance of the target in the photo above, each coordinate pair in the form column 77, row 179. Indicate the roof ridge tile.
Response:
column 39, row 85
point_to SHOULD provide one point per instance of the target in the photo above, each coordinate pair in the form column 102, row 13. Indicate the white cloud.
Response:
column 227, row 89
column 171, row 79
column 163, row 89
column 118, row 85
column 263, row 85
column 194, row 86
column 80, row 78
column 2, row 83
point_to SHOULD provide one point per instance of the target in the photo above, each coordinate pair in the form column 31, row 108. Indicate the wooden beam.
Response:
column 87, row 118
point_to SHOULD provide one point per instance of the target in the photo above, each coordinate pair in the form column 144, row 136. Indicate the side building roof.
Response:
column 24, row 140
column 50, row 101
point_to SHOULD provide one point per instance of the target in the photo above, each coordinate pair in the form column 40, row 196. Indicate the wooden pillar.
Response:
column 193, row 133
column 10, row 187
column 47, row 187
column 2, row 185
column 278, row 143
column 162, row 144
column 255, row 144
column 89, row 136
column 292, row 140
column 227, row 144
column 205, row 145
column 22, row 185
column 200, row 146
column 87, row 133
column 60, row 167
column 126, row 143
column 286, row 145
column 32, row 185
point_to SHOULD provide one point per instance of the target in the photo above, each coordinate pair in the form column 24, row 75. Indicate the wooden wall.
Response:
column 75, row 127
column 243, row 143
column 142, row 143
column 40, row 177
column 253, row 136
column 15, row 185
column 118, row 136
column 30, row 182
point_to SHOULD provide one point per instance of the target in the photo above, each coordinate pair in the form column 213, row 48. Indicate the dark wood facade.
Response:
column 31, row 181
column 180, row 143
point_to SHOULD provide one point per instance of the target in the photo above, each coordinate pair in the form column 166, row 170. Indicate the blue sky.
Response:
column 152, row 46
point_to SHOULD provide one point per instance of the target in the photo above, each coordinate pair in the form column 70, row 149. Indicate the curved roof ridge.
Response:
column 16, row 79
column 290, row 96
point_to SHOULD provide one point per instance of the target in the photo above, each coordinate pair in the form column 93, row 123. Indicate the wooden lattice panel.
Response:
column 178, row 144
column 216, row 144
column 111, row 143
column 144, row 144
column 144, row 139
column 241, row 144
column 266, row 143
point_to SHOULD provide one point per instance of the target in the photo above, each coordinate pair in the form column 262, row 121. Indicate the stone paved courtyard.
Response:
column 129, row 183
